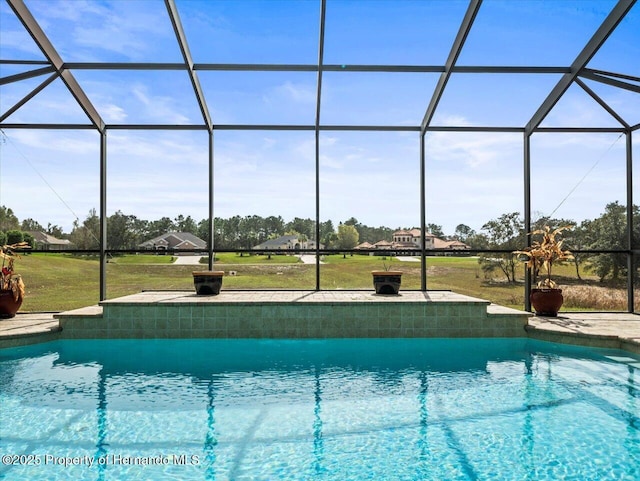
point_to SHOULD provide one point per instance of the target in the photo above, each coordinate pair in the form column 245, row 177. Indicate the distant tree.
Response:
column 463, row 232
column 478, row 240
column 14, row 236
column 124, row 231
column 273, row 226
column 330, row 240
column 203, row 230
column 231, row 233
column 327, row 234
column 55, row 231
column 86, row 236
column 303, row 226
column 347, row 236
column 505, row 232
column 31, row 225
column 8, row 220
column 251, row 231
column 29, row 239
column 436, row 230
column 3, row 238
column 374, row 234
column 160, row 227
column 609, row 232
column 185, row 224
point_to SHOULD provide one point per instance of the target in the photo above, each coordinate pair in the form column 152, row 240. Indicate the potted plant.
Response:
column 387, row 281
column 541, row 256
column 207, row 283
column 11, row 284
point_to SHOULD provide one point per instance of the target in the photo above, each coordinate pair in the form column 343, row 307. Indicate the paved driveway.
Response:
column 308, row 259
column 188, row 260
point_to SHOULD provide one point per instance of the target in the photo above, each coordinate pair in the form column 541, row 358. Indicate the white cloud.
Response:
column 112, row 113
column 20, row 41
column 298, row 93
column 158, row 108
column 127, row 28
column 475, row 150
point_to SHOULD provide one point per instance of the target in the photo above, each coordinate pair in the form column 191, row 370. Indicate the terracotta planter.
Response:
column 387, row 282
column 8, row 305
column 207, row 283
column 546, row 302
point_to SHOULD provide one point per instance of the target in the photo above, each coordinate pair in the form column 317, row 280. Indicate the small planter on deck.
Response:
column 207, row 283
column 546, row 302
column 9, row 305
column 387, row 282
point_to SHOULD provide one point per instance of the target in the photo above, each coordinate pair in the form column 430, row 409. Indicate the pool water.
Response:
column 418, row 409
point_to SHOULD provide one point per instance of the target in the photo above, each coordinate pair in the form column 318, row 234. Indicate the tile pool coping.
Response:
column 315, row 314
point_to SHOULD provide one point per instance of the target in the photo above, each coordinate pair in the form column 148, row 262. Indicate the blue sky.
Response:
column 52, row 175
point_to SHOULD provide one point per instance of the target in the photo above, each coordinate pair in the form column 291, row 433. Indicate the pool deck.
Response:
column 610, row 330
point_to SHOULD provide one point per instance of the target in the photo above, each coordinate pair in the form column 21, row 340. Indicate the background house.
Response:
column 175, row 241
column 286, row 242
column 409, row 240
column 48, row 242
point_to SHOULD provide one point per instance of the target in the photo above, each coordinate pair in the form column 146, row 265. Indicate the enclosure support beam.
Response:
column 103, row 216
column 630, row 226
column 211, row 212
column 26, row 75
column 423, row 216
column 527, row 214
column 602, row 103
column 323, row 10
column 590, row 49
column 456, row 48
column 188, row 60
column 28, row 97
column 41, row 39
column 611, row 81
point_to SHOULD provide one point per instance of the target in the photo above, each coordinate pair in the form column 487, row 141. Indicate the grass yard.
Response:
column 233, row 258
column 142, row 259
column 57, row 282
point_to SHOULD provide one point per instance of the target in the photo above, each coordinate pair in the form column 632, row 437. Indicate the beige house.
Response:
column 407, row 240
column 286, row 242
column 48, row 242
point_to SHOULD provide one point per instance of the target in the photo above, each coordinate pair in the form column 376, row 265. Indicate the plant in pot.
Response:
column 387, row 281
column 547, row 298
column 11, row 284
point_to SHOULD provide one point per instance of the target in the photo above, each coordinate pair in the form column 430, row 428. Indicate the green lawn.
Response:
column 142, row 259
column 232, row 258
column 56, row 282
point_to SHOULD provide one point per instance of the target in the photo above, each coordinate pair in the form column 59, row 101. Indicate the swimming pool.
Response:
column 400, row 409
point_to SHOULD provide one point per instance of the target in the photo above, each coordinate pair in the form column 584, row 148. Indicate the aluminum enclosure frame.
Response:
column 54, row 67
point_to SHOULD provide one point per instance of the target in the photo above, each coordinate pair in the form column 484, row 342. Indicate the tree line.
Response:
column 127, row 232
column 504, row 233
column 608, row 232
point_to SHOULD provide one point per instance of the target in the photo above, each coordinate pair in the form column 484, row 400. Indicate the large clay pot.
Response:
column 207, row 283
column 546, row 302
column 387, row 282
column 8, row 305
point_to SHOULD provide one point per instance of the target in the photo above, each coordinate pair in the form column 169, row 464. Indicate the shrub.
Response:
column 15, row 237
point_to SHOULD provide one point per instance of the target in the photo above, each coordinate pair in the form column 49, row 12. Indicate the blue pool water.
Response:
column 318, row 410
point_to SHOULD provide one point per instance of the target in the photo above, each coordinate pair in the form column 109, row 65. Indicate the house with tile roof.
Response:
column 175, row 241
column 409, row 240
